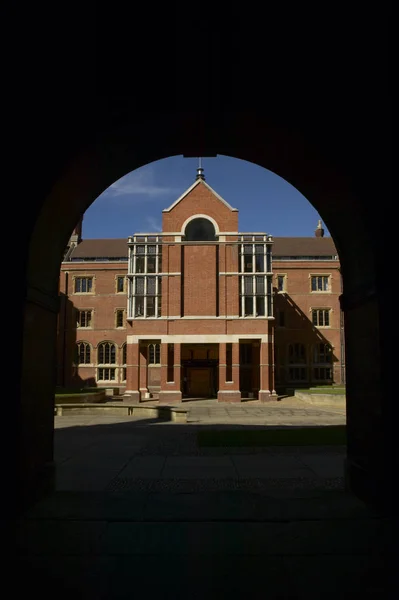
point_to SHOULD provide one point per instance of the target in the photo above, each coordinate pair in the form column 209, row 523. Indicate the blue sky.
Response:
column 265, row 201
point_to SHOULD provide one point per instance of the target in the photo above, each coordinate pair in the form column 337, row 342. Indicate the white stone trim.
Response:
column 201, row 317
column 171, row 233
column 198, row 339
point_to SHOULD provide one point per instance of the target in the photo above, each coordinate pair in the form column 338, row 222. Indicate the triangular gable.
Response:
column 191, row 188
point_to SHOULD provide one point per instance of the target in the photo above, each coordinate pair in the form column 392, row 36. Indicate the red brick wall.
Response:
column 103, row 302
column 200, row 201
column 200, row 280
column 297, row 304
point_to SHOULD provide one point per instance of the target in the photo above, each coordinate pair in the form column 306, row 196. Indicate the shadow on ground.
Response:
column 141, row 508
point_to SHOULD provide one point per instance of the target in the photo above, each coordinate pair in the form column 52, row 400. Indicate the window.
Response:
column 200, row 229
column 296, row 354
column 297, row 374
column 256, row 287
column 322, row 360
column 120, row 284
column 171, row 359
column 321, row 317
column 106, row 374
column 229, row 362
column 322, row 374
column 83, row 285
column 145, row 285
column 124, row 361
column 147, row 297
column 322, row 353
column 83, row 318
column 320, row 283
column 154, row 354
column 120, row 317
column 83, row 353
column 106, row 353
column 281, row 283
column 253, row 295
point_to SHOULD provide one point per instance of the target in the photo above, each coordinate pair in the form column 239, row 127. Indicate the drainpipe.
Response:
column 342, row 338
column 64, row 329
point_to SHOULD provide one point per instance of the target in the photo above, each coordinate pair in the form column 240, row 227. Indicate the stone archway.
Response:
column 328, row 180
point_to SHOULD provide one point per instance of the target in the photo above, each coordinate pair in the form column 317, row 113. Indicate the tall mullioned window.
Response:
column 297, row 361
column 154, row 354
column 106, row 356
column 83, row 353
column 145, row 282
column 322, row 362
column 255, row 264
column 124, row 361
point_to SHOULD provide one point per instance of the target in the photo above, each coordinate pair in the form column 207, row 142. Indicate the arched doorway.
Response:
column 327, row 179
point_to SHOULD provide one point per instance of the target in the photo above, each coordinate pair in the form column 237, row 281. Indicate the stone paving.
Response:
column 141, row 509
column 104, row 452
column 288, row 411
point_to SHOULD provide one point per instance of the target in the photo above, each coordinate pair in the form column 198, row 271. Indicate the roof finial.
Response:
column 200, row 171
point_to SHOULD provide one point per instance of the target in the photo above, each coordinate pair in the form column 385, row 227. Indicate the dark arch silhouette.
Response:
column 340, row 172
column 200, row 230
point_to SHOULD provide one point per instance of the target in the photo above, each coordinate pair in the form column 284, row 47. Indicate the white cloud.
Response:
column 138, row 183
column 154, row 224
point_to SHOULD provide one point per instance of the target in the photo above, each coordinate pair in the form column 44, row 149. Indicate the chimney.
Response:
column 319, row 232
column 76, row 236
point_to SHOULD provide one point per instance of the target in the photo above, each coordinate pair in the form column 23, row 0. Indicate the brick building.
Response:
column 200, row 309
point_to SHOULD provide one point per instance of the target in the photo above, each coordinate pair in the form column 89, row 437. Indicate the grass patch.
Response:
column 68, row 391
column 298, row 436
column 62, row 393
column 323, row 390
column 77, row 394
column 333, row 391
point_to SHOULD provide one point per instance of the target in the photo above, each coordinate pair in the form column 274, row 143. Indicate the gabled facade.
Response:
column 201, row 309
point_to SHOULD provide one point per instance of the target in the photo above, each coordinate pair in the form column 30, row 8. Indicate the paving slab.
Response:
column 224, row 530
column 178, row 577
column 85, row 478
column 271, row 467
column 89, row 577
column 198, row 467
column 55, row 537
column 90, row 506
column 143, row 466
column 369, row 537
column 324, row 466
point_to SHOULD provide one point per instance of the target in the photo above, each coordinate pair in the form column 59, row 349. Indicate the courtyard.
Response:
column 140, row 504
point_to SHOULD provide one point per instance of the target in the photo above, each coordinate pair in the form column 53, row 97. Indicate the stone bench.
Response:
column 170, row 413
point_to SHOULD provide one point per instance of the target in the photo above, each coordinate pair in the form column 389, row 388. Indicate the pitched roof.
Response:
column 304, row 246
column 117, row 249
column 101, row 248
column 198, row 182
